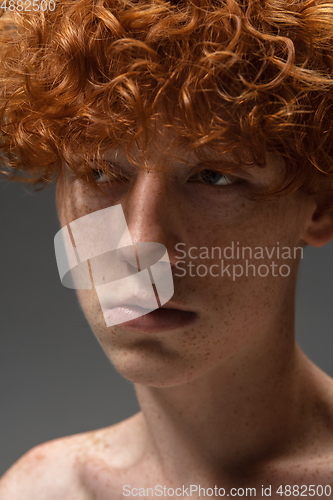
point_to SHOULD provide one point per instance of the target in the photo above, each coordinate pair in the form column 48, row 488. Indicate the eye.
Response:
column 100, row 176
column 214, row 178
column 113, row 174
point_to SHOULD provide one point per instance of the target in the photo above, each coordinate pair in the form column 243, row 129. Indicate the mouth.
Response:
column 135, row 318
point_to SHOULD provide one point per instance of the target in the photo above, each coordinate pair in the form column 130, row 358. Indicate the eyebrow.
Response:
column 211, row 159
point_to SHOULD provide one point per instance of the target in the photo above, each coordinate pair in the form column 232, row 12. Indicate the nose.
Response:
column 152, row 212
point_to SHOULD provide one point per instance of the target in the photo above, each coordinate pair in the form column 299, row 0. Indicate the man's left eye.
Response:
column 215, row 178
column 100, row 176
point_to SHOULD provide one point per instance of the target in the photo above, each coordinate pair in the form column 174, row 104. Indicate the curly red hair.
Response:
column 94, row 74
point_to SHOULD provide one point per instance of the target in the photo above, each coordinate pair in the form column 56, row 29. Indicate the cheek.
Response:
column 237, row 262
column 262, row 222
column 91, row 308
column 248, row 223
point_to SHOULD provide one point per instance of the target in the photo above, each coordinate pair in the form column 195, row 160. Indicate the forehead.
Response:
column 168, row 153
column 164, row 144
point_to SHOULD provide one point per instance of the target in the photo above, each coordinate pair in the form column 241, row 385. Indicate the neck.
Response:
column 243, row 411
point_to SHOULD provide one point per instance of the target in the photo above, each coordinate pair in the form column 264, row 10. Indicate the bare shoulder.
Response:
column 46, row 471
column 57, row 469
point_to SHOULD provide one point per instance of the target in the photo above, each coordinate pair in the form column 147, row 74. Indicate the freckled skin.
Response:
column 230, row 400
column 168, row 212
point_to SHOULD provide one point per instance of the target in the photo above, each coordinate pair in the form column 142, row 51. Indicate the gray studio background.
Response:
column 54, row 377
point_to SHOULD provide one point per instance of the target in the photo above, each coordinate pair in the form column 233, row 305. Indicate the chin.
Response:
column 152, row 368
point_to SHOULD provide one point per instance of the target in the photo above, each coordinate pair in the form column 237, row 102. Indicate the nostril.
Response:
column 149, row 253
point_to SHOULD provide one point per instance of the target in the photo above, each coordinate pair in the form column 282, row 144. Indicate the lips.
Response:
column 144, row 320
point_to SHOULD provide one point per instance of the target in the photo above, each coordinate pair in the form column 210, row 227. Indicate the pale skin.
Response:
column 230, row 400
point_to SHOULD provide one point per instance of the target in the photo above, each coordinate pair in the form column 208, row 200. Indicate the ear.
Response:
column 319, row 228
